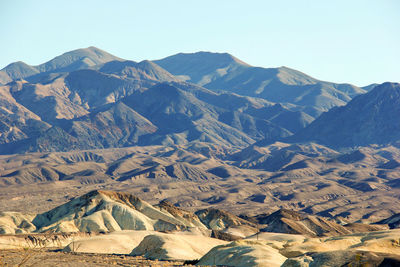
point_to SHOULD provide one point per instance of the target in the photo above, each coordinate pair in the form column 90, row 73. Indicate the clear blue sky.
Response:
column 355, row 41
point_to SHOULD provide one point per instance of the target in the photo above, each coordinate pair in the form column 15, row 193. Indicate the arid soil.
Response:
column 47, row 257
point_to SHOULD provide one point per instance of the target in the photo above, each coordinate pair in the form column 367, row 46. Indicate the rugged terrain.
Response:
column 195, row 157
column 108, row 222
column 358, row 185
column 88, row 98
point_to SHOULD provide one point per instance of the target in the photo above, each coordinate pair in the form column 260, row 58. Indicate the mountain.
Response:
column 78, row 59
column 181, row 116
column 88, row 98
column 90, row 109
column 16, row 121
column 111, row 126
column 17, row 70
column 372, row 118
column 221, row 71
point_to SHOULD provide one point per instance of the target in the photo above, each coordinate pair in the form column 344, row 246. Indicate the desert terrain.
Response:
column 194, row 159
column 350, row 186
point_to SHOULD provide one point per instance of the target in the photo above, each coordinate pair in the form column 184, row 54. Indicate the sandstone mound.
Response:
column 392, row 221
column 278, row 240
column 186, row 171
column 292, row 222
column 120, row 242
column 391, row 164
column 278, row 155
column 104, row 211
column 221, row 171
column 225, row 225
column 15, row 223
column 180, row 213
column 82, row 156
column 378, row 241
column 219, row 220
column 360, row 227
column 344, row 258
column 30, row 175
column 243, row 253
column 175, row 246
column 163, row 170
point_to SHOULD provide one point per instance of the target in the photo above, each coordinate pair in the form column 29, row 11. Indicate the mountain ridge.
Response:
column 76, row 94
column 367, row 119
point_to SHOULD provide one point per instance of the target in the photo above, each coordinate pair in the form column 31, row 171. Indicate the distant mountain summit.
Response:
column 201, row 67
column 372, row 118
column 70, row 61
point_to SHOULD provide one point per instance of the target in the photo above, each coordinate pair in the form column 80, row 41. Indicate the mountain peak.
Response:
column 93, row 48
column 201, row 67
column 77, row 59
column 82, row 58
column 206, row 57
column 387, row 87
column 17, row 70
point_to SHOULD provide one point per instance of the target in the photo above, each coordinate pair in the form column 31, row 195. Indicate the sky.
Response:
column 354, row 41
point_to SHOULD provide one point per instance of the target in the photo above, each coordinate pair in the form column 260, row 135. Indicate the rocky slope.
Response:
column 115, row 222
column 115, row 114
column 104, row 211
column 372, row 118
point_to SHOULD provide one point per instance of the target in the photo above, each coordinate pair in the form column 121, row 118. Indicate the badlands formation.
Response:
column 266, row 205
column 196, row 159
column 109, row 222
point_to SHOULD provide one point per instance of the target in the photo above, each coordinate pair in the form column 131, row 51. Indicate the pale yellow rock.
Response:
column 120, row 242
column 106, row 211
column 16, row 223
column 379, row 241
column 241, row 231
column 162, row 246
column 244, row 253
column 279, row 240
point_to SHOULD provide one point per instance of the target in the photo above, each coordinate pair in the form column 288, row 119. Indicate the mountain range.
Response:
column 221, row 71
column 88, row 98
